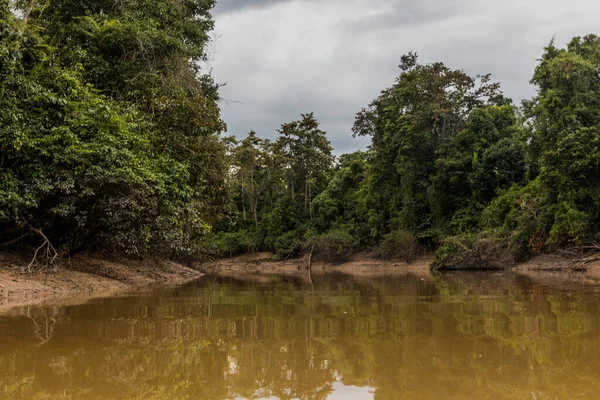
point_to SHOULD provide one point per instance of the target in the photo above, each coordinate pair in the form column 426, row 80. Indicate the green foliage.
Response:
column 471, row 251
column 344, row 202
column 450, row 155
column 87, row 156
column 286, row 216
column 566, row 121
column 290, row 244
column 435, row 132
column 484, row 159
column 110, row 138
column 238, row 242
column 520, row 216
column 399, row 244
column 335, row 246
column 305, row 157
column 273, row 186
column 560, row 205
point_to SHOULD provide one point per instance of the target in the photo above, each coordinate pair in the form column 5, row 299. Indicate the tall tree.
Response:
column 147, row 54
column 247, row 159
column 306, row 156
column 565, row 135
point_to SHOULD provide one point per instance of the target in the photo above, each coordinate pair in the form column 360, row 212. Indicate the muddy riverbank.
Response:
column 366, row 265
column 88, row 276
column 84, row 277
column 360, row 265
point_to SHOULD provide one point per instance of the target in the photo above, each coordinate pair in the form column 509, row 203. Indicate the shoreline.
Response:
column 83, row 278
column 365, row 265
column 359, row 265
column 92, row 276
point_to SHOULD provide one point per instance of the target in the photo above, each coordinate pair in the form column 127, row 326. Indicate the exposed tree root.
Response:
column 45, row 255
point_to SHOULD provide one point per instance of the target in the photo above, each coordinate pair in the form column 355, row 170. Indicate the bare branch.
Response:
column 50, row 254
column 14, row 240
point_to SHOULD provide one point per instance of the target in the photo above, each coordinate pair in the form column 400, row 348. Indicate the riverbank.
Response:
column 84, row 277
column 366, row 265
column 362, row 264
column 88, row 276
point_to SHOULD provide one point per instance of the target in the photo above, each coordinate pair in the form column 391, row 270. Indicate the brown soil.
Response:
column 83, row 277
column 89, row 276
column 360, row 265
column 365, row 265
column 558, row 268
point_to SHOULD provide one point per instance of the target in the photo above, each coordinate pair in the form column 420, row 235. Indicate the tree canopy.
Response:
column 109, row 132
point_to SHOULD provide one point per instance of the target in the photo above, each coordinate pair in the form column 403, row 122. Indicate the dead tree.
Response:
column 45, row 254
column 48, row 253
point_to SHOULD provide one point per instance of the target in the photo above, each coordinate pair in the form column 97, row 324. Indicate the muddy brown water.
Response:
column 456, row 336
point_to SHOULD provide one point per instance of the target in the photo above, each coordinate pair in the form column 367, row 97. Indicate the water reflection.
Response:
column 458, row 336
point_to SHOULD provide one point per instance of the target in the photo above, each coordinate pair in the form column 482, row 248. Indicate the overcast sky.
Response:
column 280, row 58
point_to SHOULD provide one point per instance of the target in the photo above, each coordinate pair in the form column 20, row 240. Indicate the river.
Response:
column 451, row 336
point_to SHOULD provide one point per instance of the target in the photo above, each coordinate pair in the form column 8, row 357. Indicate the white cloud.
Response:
column 283, row 57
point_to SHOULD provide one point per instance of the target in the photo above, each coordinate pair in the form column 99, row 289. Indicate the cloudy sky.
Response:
column 280, row 58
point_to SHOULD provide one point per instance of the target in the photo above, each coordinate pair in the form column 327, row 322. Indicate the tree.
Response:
column 411, row 125
column 247, row 161
column 480, row 162
column 109, row 132
column 277, row 181
column 559, row 206
column 566, row 134
column 343, row 204
column 306, row 157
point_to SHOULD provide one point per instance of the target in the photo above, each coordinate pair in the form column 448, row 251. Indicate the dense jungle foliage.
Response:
column 111, row 139
column 453, row 166
column 109, row 131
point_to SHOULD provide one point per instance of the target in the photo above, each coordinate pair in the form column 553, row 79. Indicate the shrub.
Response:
column 522, row 215
column 289, row 244
column 399, row 244
column 229, row 244
column 335, row 246
column 473, row 252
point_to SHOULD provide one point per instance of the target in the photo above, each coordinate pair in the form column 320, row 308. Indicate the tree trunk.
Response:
column 309, row 203
column 255, row 212
column 306, row 196
column 253, row 199
column 309, row 267
column 243, row 200
column 310, row 256
column 28, row 12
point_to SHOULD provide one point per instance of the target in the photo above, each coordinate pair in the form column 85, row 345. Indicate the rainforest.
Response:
column 111, row 140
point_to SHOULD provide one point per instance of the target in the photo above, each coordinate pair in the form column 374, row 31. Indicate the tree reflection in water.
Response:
column 459, row 336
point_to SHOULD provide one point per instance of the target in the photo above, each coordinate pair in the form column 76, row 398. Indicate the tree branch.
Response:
column 14, row 240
